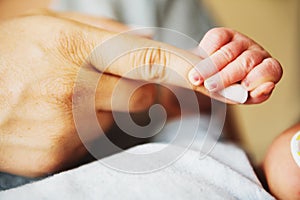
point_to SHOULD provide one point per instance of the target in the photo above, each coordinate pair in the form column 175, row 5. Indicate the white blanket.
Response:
column 225, row 174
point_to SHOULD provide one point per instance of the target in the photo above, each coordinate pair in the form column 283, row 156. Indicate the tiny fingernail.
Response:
column 254, row 93
column 295, row 148
column 195, row 77
column 263, row 90
column 210, row 85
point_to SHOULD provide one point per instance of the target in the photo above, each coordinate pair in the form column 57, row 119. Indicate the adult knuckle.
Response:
column 58, row 91
column 72, row 45
column 56, row 155
column 45, row 162
column 48, row 164
column 44, row 166
column 154, row 64
column 143, row 97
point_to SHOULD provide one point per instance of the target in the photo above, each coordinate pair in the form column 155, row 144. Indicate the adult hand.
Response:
column 41, row 54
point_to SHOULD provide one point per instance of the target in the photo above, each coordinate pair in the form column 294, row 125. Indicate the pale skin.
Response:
column 42, row 52
column 281, row 171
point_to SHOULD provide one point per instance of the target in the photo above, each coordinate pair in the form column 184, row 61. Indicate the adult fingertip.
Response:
column 194, row 77
column 146, row 32
column 199, row 52
column 211, row 85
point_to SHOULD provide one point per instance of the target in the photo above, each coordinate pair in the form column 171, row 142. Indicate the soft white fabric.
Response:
column 187, row 178
column 223, row 174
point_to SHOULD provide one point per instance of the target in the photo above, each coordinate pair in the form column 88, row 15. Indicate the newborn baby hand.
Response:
column 231, row 57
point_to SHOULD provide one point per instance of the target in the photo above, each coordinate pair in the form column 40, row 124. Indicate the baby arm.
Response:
column 281, row 170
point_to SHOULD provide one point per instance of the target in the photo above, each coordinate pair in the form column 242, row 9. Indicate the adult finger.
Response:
column 113, row 93
column 136, row 58
column 139, row 58
column 119, row 94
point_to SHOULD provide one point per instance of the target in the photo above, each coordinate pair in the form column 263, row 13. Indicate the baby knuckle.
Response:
column 219, row 34
column 248, row 61
column 227, row 54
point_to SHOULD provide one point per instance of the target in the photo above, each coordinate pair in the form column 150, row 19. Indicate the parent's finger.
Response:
column 132, row 57
column 135, row 96
column 140, row 58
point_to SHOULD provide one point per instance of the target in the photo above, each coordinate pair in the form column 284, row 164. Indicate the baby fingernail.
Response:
column 295, row 148
column 211, row 85
column 263, row 90
column 255, row 93
column 194, row 77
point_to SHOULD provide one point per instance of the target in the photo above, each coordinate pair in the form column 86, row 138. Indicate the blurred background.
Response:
column 275, row 24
